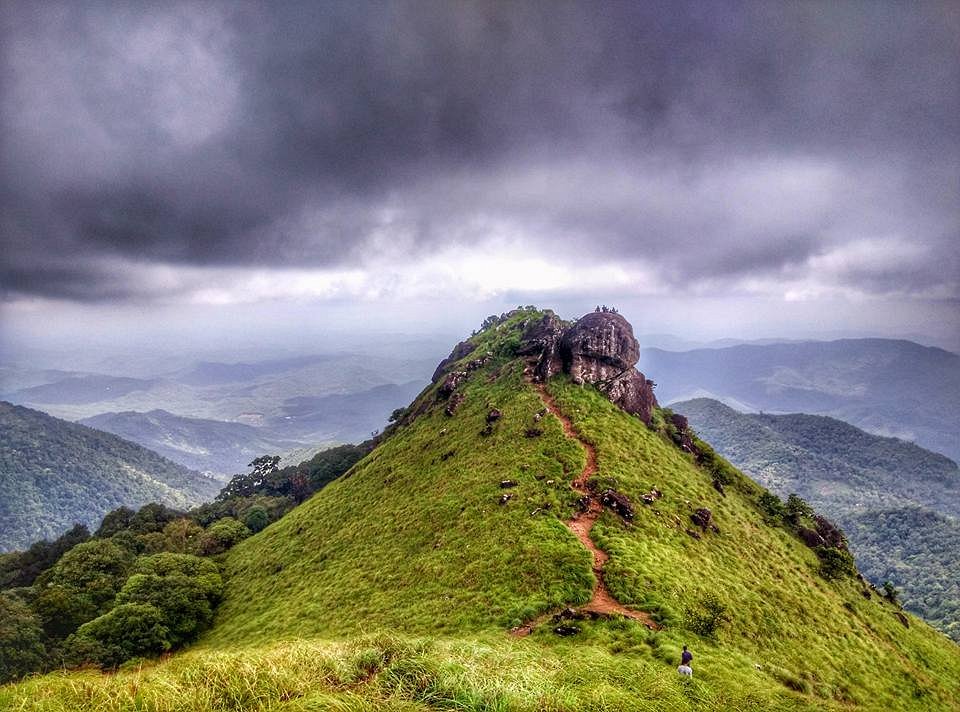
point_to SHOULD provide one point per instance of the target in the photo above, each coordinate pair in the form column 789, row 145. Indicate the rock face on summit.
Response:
column 599, row 348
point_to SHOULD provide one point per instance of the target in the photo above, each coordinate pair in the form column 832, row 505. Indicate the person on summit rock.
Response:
column 686, row 657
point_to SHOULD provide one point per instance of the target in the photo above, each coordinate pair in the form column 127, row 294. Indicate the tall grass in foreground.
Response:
column 383, row 672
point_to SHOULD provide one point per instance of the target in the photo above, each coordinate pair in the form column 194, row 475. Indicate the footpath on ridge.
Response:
column 602, row 603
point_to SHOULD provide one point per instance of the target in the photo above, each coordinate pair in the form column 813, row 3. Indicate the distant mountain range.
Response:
column 226, row 448
column 54, row 473
column 885, row 386
column 216, row 416
column 200, row 444
column 898, row 503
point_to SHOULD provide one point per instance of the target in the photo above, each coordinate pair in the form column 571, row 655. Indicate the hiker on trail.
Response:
column 686, row 657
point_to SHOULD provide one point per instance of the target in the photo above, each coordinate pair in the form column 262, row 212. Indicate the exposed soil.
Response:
column 602, row 603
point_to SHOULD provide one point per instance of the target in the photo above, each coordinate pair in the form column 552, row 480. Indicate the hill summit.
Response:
column 535, row 533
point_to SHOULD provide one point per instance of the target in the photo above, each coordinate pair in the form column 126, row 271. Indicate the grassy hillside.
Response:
column 54, row 474
column 396, row 586
column 898, row 503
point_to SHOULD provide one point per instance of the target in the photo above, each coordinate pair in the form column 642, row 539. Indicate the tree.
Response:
column 182, row 536
column 771, row 505
column 256, row 519
column 185, row 603
column 21, row 569
column 835, row 563
column 21, row 639
column 114, row 522
column 798, row 510
column 95, row 569
column 127, row 631
column 891, row 593
column 222, row 535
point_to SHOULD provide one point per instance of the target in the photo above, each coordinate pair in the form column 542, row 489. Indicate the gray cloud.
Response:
column 709, row 140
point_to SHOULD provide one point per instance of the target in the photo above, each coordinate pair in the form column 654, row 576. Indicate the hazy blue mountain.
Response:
column 54, row 473
column 210, row 373
column 885, row 386
column 247, row 392
column 215, row 446
column 348, row 417
column 898, row 503
column 81, row 389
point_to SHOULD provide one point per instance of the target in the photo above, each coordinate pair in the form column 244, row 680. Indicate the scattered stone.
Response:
column 618, row 502
column 703, row 518
column 566, row 630
column 479, row 362
column 693, row 533
column 539, row 477
column 550, row 482
column 810, row 537
column 533, row 432
column 651, row 496
column 683, row 436
column 450, row 384
column 504, row 484
column 831, row 534
column 443, row 431
column 455, row 400
column 504, row 498
column 583, row 503
column 494, row 415
column 569, row 614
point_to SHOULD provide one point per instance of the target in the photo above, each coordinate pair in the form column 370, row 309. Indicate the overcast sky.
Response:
column 717, row 169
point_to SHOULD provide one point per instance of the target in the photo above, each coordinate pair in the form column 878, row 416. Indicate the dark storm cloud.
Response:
column 708, row 139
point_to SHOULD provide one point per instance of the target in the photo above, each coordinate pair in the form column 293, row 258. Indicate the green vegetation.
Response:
column 898, row 503
column 54, row 474
column 395, row 586
column 138, row 587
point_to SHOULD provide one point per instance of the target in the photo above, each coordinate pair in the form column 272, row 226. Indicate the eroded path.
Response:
column 602, row 603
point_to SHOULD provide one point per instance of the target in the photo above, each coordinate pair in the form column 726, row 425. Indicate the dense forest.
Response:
column 146, row 581
column 898, row 503
column 54, row 474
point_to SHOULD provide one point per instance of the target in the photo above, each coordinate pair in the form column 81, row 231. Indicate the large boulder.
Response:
column 599, row 347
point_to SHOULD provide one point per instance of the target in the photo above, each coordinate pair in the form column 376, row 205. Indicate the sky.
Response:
column 184, row 173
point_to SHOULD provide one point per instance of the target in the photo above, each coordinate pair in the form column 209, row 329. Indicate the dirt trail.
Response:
column 602, row 603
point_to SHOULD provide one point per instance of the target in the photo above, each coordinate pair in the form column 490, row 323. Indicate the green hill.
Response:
column 885, row 386
column 54, row 474
column 444, row 570
column 899, row 503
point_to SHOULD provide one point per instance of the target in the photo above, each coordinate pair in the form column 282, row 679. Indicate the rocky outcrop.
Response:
column 464, row 348
column 541, row 343
column 600, row 349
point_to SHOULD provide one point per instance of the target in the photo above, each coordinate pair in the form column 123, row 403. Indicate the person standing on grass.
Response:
column 686, row 657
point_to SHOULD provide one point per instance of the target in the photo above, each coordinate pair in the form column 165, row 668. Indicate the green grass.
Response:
column 395, row 586
column 487, row 672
